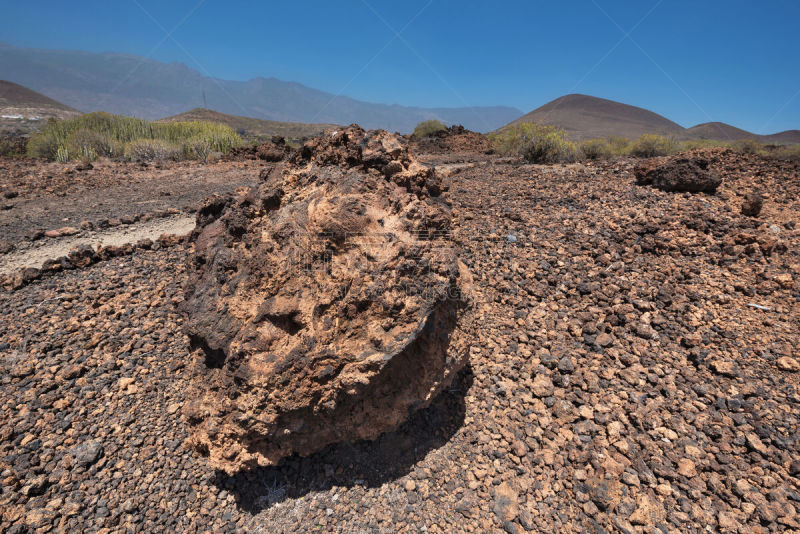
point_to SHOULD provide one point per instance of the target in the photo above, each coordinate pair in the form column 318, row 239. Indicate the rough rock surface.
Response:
column 455, row 139
column 687, row 172
column 322, row 302
column 752, row 204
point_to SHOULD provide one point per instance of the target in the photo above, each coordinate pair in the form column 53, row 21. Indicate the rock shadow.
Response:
column 366, row 463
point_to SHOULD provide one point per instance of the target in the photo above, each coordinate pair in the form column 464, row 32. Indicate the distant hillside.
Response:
column 719, row 131
column 133, row 85
column 23, row 110
column 589, row 117
column 789, row 137
column 250, row 128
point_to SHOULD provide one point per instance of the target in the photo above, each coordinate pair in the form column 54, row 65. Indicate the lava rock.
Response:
column 322, row 302
column 752, row 204
column 87, row 453
column 678, row 174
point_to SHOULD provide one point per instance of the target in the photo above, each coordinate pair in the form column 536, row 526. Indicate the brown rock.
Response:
column 751, row 206
column 82, row 256
column 506, row 503
column 542, row 386
column 686, row 468
column 785, row 363
column 648, row 511
column 67, row 231
column 680, row 173
column 323, row 303
column 724, row 367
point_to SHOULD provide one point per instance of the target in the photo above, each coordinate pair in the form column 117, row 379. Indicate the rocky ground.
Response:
column 633, row 368
column 37, row 197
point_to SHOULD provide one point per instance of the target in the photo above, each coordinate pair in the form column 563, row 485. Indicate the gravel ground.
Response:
column 634, row 368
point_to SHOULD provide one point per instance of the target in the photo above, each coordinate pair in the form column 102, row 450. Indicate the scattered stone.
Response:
column 506, row 503
column 542, row 386
column 752, row 204
column 87, row 453
column 785, row 363
column 724, row 368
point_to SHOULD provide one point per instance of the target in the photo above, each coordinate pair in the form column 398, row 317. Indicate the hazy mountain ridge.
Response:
column 127, row 84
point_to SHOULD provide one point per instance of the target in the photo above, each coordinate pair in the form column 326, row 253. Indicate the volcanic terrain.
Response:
column 632, row 363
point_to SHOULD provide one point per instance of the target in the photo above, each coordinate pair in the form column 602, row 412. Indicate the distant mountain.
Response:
column 718, row 131
column 788, row 137
column 18, row 102
column 249, row 127
column 588, row 117
column 133, row 85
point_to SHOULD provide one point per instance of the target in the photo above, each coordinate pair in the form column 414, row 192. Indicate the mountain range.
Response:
column 588, row 117
column 133, row 85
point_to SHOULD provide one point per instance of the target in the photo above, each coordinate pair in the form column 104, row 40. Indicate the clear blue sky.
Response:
column 736, row 61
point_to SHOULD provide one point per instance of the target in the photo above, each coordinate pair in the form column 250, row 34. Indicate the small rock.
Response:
column 686, row 468
column 755, row 443
column 648, row 511
column 785, row 363
column 506, row 503
column 724, row 368
column 604, row 340
column 752, row 204
column 565, row 365
column 87, row 453
column 542, row 386
column 606, row 494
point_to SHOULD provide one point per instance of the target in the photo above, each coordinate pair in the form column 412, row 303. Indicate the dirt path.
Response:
column 34, row 254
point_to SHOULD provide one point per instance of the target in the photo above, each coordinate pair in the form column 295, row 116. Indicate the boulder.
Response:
column 680, row 173
column 320, row 304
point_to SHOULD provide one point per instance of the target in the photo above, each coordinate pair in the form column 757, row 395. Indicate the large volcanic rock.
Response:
column 321, row 303
column 680, row 173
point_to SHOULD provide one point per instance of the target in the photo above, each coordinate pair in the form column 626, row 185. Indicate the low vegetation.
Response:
column 428, row 128
column 536, row 143
column 12, row 146
column 651, row 145
column 548, row 144
column 104, row 135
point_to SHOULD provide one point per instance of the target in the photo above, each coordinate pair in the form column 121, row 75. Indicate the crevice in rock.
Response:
column 214, row 358
column 286, row 321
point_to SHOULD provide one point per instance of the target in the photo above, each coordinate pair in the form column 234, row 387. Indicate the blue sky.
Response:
column 734, row 61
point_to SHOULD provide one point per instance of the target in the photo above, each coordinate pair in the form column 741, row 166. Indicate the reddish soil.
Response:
column 40, row 196
column 633, row 367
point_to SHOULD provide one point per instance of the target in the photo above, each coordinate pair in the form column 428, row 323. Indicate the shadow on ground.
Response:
column 367, row 463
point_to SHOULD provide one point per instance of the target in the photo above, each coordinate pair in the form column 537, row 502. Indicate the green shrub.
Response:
column 62, row 155
column 748, row 146
column 651, row 145
column 12, row 145
column 536, row 143
column 619, row 145
column 150, row 150
column 89, row 145
column 787, row 152
column 428, row 128
column 101, row 134
column 596, row 149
